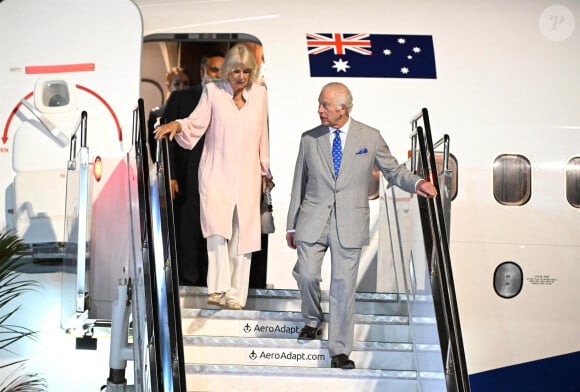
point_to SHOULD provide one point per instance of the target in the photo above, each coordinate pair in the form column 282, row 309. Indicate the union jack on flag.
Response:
column 338, row 43
column 371, row 55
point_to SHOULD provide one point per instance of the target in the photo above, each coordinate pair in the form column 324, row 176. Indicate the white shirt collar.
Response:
column 344, row 128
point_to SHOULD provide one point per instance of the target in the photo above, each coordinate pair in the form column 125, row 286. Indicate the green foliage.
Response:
column 11, row 288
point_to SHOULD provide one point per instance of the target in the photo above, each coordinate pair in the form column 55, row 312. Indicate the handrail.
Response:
column 441, row 273
column 164, row 170
column 152, row 336
column 82, row 125
column 83, row 129
column 162, row 341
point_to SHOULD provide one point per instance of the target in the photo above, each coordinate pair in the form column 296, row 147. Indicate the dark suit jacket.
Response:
column 182, row 102
column 184, row 163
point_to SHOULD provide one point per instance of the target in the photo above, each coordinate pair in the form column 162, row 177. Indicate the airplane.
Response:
column 498, row 78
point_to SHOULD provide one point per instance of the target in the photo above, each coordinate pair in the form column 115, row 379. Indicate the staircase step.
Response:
column 211, row 377
column 290, row 352
column 287, row 325
column 289, row 300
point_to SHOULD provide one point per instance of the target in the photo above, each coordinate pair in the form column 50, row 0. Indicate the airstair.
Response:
column 405, row 341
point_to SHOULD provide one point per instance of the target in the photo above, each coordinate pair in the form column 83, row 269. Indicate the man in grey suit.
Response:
column 329, row 208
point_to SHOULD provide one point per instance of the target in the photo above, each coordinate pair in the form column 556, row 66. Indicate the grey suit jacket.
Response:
column 315, row 190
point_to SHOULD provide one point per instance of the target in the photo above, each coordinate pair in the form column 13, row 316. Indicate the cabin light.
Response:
column 98, row 169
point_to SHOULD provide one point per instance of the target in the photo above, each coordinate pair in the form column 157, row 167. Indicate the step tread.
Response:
column 295, row 294
column 243, row 342
column 261, row 370
column 292, row 316
column 295, row 371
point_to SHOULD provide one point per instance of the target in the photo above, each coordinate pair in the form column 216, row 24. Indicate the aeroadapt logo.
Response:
column 270, row 330
column 286, row 357
column 557, row 22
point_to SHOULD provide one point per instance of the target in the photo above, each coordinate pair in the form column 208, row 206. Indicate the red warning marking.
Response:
column 46, row 69
column 83, row 88
column 109, row 108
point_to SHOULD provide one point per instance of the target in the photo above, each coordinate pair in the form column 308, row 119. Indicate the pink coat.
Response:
column 236, row 154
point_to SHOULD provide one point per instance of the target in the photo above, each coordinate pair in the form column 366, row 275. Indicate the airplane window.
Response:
column 55, row 93
column 573, row 182
column 512, row 179
column 508, row 279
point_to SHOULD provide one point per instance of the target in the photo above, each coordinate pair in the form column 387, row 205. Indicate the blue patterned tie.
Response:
column 336, row 151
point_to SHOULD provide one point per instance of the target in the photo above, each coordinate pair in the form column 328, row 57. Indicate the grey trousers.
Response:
column 343, row 279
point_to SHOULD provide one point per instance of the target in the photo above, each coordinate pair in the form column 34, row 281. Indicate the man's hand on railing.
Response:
column 426, row 189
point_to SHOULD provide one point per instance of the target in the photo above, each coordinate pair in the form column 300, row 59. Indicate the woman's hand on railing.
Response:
column 170, row 129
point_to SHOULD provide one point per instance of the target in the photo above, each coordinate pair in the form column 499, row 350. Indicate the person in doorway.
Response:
column 234, row 169
column 191, row 246
column 175, row 79
column 329, row 209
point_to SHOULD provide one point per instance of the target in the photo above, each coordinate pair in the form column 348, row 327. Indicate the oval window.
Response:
column 508, row 279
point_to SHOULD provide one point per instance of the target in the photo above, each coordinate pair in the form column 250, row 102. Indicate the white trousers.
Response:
column 228, row 272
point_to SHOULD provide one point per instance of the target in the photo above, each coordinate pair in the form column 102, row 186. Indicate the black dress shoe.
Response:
column 309, row 333
column 342, row 361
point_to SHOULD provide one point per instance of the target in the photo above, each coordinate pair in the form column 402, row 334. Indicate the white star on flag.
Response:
column 341, row 65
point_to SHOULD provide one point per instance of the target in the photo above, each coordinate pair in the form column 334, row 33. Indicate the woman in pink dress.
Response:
column 234, row 169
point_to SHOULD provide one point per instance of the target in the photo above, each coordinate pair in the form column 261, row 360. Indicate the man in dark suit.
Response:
column 191, row 246
column 176, row 79
column 329, row 209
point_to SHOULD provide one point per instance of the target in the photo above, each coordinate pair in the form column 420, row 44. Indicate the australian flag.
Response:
column 371, row 55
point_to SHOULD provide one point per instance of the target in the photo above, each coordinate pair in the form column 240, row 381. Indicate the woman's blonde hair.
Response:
column 238, row 55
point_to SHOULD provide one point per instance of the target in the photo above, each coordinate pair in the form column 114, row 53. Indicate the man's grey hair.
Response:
column 343, row 95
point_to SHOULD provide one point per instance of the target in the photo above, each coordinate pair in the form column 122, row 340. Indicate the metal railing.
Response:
column 150, row 289
column 435, row 220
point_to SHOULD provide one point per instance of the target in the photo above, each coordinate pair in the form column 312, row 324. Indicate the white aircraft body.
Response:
column 500, row 78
